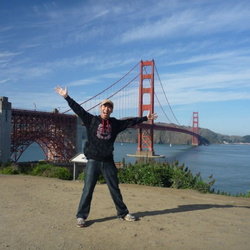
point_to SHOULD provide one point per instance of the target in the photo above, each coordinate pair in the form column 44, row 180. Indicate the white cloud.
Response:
column 190, row 22
column 6, row 57
column 82, row 82
column 4, row 81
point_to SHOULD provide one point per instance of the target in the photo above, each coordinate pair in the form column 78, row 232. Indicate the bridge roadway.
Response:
column 58, row 134
column 168, row 128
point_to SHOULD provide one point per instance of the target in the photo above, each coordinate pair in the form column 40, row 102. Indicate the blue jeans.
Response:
column 92, row 172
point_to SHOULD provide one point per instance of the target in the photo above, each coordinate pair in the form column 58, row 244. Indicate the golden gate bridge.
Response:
column 60, row 134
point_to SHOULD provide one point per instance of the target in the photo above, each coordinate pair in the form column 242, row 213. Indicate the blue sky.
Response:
column 201, row 49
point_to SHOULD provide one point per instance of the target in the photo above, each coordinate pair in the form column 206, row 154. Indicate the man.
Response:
column 102, row 131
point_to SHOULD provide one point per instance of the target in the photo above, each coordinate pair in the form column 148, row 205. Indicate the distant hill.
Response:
column 166, row 137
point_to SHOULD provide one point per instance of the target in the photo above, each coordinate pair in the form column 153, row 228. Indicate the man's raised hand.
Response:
column 62, row 92
column 152, row 116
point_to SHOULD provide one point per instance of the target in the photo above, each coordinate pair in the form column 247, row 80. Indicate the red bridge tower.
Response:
column 146, row 103
column 195, row 140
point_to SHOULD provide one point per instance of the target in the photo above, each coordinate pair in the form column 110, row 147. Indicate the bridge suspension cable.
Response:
column 98, row 94
column 161, row 107
column 158, row 100
column 126, row 84
column 166, row 99
column 123, row 87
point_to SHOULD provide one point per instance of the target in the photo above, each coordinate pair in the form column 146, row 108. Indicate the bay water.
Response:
column 228, row 163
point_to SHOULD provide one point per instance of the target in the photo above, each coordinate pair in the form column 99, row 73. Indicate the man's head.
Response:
column 106, row 108
column 108, row 102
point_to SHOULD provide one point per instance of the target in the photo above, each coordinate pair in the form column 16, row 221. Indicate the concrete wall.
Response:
column 5, row 129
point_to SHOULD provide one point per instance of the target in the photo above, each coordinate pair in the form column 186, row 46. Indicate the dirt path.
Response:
column 39, row 213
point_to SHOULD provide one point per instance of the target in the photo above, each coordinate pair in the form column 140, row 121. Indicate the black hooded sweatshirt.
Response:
column 101, row 134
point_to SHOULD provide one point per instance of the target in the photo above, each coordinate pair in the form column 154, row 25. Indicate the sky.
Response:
column 201, row 49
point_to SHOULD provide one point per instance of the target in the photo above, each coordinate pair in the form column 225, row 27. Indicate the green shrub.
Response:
column 48, row 170
column 26, row 169
column 163, row 175
column 247, row 194
column 144, row 174
column 9, row 170
column 150, row 174
column 41, row 169
column 63, row 173
column 81, row 176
